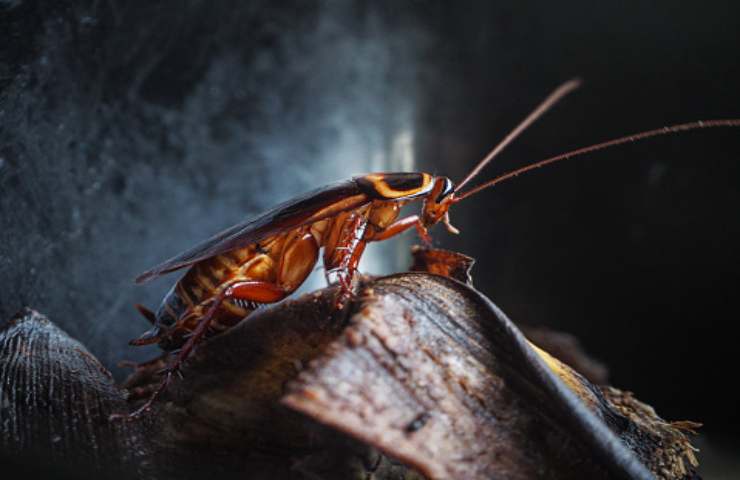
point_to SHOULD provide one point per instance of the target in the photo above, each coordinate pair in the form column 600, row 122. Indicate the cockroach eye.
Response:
column 448, row 187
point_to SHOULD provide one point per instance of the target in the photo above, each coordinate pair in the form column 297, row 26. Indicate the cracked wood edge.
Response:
column 625, row 435
column 459, row 414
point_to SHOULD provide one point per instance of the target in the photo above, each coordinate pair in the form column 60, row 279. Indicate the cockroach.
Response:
column 263, row 260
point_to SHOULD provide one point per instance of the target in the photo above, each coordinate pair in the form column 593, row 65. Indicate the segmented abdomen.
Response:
column 190, row 298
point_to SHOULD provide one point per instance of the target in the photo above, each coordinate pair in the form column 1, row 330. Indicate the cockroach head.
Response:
column 445, row 188
column 437, row 204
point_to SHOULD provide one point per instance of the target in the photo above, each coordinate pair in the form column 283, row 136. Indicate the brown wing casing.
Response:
column 308, row 208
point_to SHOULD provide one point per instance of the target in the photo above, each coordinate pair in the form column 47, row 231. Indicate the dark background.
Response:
column 131, row 130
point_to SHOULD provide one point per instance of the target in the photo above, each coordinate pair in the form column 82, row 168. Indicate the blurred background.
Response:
column 131, row 130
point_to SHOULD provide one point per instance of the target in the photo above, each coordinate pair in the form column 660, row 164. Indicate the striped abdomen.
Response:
column 189, row 300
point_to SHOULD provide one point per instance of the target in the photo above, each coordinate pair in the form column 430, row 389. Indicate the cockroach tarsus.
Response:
column 261, row 261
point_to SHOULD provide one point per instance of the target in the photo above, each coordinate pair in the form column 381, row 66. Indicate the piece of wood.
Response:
column 55, row 399
column 430, row 374
column 420, row 376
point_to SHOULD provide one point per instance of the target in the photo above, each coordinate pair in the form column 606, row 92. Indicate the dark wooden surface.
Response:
column 420, row 376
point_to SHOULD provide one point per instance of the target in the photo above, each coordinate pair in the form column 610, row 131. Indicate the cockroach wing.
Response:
column 308, row 208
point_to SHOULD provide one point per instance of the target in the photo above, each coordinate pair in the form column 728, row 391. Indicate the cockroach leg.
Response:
column 153, row 335
column 345, row 279
column 345, row 275
column 346, row 256
column 144, row 408
column 346, row 272
column 146, row 313
column 400, row 226
column 128, row 364
column 142, row 365
column 253, row 290
column 343, row 256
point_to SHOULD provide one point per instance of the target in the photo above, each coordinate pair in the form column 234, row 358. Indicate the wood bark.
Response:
column 421, row 376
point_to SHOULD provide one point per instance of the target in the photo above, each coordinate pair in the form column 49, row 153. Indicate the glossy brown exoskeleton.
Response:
column 264, row 260
column 261, row 261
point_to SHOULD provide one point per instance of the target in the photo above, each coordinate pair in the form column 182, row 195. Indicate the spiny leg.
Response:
column 144, row 379
column 400, row 226
column 136, row 366
column 346, row 272
column 251, row 290
column 344, row 256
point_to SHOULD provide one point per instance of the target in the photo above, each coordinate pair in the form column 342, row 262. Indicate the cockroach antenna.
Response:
column 538, row 112
column 672, row 129
column 553, row 98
